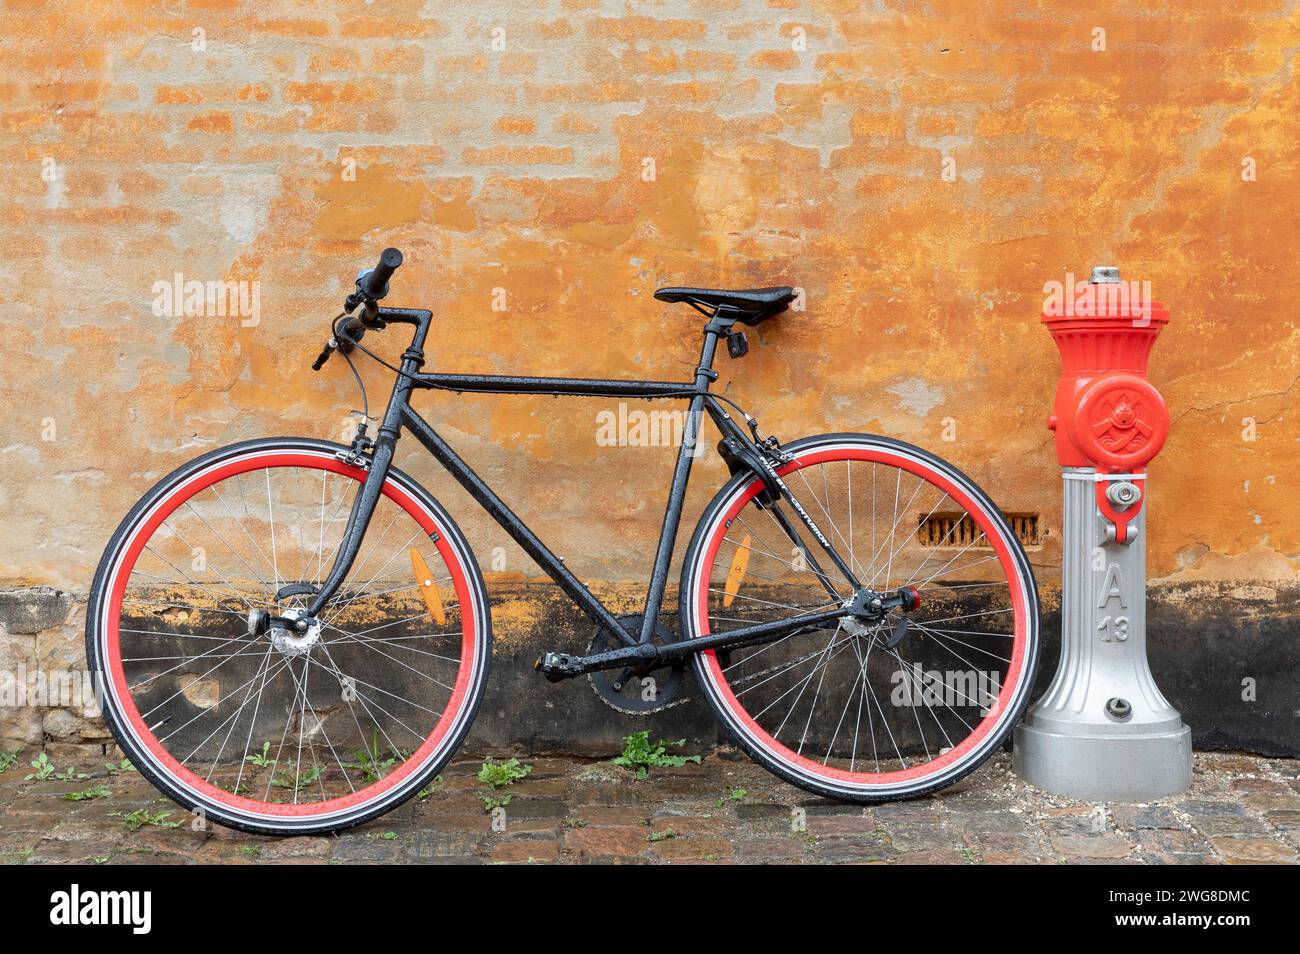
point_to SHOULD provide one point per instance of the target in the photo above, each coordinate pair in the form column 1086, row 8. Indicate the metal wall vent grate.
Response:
column 958, row 530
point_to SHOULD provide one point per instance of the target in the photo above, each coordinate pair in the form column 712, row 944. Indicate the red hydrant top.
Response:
column 1107, row 414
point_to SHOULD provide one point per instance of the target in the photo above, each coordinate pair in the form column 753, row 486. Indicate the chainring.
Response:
column 636, row 690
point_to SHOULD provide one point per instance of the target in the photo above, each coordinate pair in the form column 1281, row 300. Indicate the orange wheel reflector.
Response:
column 428, row 588
column 739, row 564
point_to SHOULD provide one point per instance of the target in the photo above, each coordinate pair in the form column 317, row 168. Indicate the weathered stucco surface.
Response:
column 606, row 149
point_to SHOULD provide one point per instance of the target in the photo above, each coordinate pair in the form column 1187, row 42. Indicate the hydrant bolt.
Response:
column 1123, row 494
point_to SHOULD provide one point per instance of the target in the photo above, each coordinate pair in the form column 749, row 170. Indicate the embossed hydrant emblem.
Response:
column 1121, row 426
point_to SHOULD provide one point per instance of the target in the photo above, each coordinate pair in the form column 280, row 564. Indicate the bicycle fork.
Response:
column 375, row 457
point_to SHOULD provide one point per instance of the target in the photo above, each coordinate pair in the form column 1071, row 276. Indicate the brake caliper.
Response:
column 358, row 454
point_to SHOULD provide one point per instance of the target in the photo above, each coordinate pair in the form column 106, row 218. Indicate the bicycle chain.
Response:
column 635, row 712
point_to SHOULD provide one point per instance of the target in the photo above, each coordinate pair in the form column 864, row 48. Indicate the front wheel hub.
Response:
column 300, row 637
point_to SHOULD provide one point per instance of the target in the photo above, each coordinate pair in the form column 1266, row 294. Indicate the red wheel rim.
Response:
column 119, row 686
column 1011, row 684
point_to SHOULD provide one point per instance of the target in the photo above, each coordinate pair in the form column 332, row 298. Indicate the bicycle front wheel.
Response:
column 284, row 732
column 865, row 711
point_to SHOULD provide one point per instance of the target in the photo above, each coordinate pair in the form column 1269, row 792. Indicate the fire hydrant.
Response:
column 1102, row 731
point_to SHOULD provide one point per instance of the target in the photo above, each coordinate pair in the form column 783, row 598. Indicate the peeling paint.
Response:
column 916, row 395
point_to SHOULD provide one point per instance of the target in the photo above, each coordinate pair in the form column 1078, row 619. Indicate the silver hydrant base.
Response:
column 1101, row 768
column 1103, row 731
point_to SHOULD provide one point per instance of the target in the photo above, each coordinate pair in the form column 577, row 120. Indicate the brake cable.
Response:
column 365, row 402
column 336, row 344
column 769, row 446
column 356, row 343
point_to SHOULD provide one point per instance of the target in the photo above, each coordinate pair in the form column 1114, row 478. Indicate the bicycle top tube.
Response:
column 520, row 384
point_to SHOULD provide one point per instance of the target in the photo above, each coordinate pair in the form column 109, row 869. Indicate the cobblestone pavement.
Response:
column 1241, row 810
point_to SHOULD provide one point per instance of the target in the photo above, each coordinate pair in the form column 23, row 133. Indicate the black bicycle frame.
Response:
column 399, row 415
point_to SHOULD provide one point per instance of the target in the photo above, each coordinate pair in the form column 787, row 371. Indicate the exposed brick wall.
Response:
column 588, row 151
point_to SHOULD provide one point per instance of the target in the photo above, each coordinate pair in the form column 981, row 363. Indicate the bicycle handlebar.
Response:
column 374, row 282
column 372, row 286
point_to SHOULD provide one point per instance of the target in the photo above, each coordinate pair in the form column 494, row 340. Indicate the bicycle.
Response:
column 292, row 636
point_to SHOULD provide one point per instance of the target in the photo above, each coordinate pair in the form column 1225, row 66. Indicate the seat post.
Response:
column 719, row 325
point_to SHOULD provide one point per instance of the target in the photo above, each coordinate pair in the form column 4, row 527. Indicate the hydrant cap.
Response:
column 1105, row 323
column 1107, row 414
column 1121, row 421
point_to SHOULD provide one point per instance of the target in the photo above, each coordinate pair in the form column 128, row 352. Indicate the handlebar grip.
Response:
column 374, row 283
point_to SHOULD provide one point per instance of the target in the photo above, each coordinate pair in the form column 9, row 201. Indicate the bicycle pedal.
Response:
column 556, row 667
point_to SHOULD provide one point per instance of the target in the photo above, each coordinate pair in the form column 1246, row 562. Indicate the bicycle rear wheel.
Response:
column 283, row 733
column 857, row 711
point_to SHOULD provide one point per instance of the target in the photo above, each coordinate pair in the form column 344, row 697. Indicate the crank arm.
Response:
column 557, row 666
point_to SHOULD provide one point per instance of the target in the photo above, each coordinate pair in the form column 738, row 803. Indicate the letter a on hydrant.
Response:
column 1102, row 731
